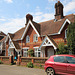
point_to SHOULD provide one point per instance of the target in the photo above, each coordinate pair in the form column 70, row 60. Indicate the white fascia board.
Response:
column 34, row 29
column 35, row 47
column 42, row 43
column 29, row 23
column 64, row 25
column 48, row 45
column 25, row 48
column 7, row 37
column 52, row 43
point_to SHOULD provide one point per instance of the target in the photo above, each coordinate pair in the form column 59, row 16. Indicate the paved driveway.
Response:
column 18, row 70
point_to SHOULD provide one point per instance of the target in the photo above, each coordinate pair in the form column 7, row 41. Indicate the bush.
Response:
column 40, row 66
column 1, row 62
column 30, row 65
column 62, row 49
column 31, row 52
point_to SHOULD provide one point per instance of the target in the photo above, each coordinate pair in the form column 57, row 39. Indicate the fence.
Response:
column 24, row 60
column 35, row 60
column 6, row 59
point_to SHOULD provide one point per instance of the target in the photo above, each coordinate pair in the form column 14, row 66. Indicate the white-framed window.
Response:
column 37, row 52
column 25, row 52
column 35, row 38
column 66, row 33
column 0, row 47
column 27, row 39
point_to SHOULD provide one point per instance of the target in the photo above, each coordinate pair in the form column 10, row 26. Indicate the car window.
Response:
column 70, row 60
column 59, row 59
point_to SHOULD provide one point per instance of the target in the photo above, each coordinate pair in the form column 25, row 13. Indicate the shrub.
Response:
column 30, row 65
column 62, row 49
column 40, row 66
column 31, row 52
column 1, row 62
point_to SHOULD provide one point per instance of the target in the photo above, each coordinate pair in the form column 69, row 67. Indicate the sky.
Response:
column 13, row 12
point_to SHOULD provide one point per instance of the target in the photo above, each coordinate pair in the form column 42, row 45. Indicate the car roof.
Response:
column 63, row 55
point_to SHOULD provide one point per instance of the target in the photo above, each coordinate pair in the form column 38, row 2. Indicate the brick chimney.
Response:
column 59, row 10
column 29, row 17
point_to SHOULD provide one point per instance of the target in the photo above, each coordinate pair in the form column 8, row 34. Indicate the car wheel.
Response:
column 50, row 71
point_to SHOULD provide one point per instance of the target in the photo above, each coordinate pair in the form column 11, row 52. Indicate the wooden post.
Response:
column 19, row 60
column 32, row 60
column 11, row 59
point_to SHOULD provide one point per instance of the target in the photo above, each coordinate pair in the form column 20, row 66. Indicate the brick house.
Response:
column 42, row 37
column 2, row 43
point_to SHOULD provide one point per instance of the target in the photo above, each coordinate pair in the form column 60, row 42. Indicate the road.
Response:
column 19, row 70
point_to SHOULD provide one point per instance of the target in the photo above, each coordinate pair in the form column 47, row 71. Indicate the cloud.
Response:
column 69, row 7
column 40, row 16
column 2, row 19
column 9, row 1
column 13, row 25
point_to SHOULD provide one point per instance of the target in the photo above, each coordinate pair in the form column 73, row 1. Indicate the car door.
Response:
column 59, row 64
column 70, row 65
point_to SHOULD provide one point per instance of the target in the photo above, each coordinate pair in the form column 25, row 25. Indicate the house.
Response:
column 2, row 43
column 42, row 37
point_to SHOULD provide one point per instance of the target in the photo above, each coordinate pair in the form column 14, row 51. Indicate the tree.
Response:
column 71, row 37
column 62, row 49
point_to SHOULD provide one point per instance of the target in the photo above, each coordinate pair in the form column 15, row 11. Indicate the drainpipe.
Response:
column 21, row 47
column 5, row 48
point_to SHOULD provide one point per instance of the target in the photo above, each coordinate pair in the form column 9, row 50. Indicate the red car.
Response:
column 60, row 64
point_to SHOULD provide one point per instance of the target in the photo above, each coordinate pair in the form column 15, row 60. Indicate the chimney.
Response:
column 29, row 17
column 59, row 10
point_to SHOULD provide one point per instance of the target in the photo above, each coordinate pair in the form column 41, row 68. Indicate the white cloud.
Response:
column 69, row 7
column 2, row 19
column 13, row 25
column 40, row 17
column 9, row 1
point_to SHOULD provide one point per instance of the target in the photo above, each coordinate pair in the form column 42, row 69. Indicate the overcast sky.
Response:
column 13, row 12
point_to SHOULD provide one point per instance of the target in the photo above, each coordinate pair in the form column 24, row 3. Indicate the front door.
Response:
column 50, row 52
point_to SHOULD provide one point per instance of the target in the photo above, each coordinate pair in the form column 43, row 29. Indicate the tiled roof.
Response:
column 44, row 28
column 51, row 27
column 17, row 46
column 3, row 34
column 19, row 33
column 53, row 41
column 3, row 39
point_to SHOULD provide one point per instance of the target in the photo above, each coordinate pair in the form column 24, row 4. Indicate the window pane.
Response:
column 25, row 52
column 35, row 54
column 27, row 39
column 35, row 38
column 70, row 60
column 59, row 59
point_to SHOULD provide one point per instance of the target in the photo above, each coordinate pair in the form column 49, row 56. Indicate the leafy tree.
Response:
column 62, row 49
column 71, row 37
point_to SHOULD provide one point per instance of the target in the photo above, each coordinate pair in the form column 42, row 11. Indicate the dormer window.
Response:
column 27, row 39
column 66, row 33
column 35, row 38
